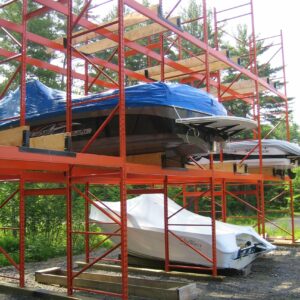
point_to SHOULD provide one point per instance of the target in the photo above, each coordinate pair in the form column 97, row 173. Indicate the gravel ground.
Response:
column 274, row 276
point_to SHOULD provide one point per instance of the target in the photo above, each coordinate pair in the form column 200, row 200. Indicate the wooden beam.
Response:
column 13, row 136
column 131, row 35
column 129, row 20
column 49, row 142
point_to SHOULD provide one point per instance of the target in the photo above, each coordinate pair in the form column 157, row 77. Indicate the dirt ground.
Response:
column 273, row 276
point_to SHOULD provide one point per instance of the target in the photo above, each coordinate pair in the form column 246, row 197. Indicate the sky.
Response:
column 270, row 16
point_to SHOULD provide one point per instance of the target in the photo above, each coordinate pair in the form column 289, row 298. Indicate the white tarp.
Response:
column 146, row 217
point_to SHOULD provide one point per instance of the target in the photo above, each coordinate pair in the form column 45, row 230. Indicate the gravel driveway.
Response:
column 274, row 276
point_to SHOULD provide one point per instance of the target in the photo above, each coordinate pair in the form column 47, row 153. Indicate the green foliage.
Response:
column 45, row 224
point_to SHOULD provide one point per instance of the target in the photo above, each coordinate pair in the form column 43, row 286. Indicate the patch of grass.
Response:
column 271, row 230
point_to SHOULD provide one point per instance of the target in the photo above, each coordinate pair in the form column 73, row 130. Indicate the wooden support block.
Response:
column 265, row 171
column 224, row 166
column 155, row 272
column 146, row 159
column 129, row 20
column 13, row 136
column 131, row 35
column 146, row 288
column 49, row 142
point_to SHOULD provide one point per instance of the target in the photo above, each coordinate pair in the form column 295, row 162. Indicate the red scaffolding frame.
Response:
column 90, row 169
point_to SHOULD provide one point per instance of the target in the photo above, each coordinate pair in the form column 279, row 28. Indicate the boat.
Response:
column 237, row 246
column 279, row 157
column 160, row 117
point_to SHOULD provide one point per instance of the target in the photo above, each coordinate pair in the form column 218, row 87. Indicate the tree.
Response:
column 49, row 25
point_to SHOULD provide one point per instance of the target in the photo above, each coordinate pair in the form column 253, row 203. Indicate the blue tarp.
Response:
column 44, row 102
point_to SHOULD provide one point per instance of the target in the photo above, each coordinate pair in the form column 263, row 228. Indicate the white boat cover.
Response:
column 269, row 147
column 146, row 213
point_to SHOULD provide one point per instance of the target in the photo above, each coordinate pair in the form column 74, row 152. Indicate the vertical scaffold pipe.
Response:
column 22, row 233
column 122, row 134
column 259, row 136
column 69, row 233
column 287, row 123
column 205, row 29
column 292, row 210
column 87, row 224
column 23, row 64
column 69, row 67
column 166, row 226
column 213, row 218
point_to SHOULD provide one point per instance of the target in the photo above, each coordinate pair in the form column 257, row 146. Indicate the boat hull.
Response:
column 147, row 131
column 149, row 243
column 189, row 244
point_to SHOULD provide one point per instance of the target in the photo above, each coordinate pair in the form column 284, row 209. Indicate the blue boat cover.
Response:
column 44, row 102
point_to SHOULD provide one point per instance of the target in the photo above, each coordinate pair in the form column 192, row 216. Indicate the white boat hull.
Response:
column 146, row 235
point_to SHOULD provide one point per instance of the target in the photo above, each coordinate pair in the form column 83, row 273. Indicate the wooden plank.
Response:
column 241, row 87
column 129, row 20
column 198, row 61
column 13, row 136
column 131, row 35
column 49, row 142
column 213, row 66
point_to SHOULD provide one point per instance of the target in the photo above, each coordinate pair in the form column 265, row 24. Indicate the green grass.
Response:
column 271, row 230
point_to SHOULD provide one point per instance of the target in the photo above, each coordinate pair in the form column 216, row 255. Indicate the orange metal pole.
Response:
column 23, row 64
column 162, row 63
column 69, row 233
column 22, row 232
column 205, row 31
column 122, row 133
column 69, row 67
column 285, row 91
column 213, row 226
column 258, row 208
column 292, row 210
column 261, row 183
column 166, row 226
column 224, row 201
column 87, row 224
